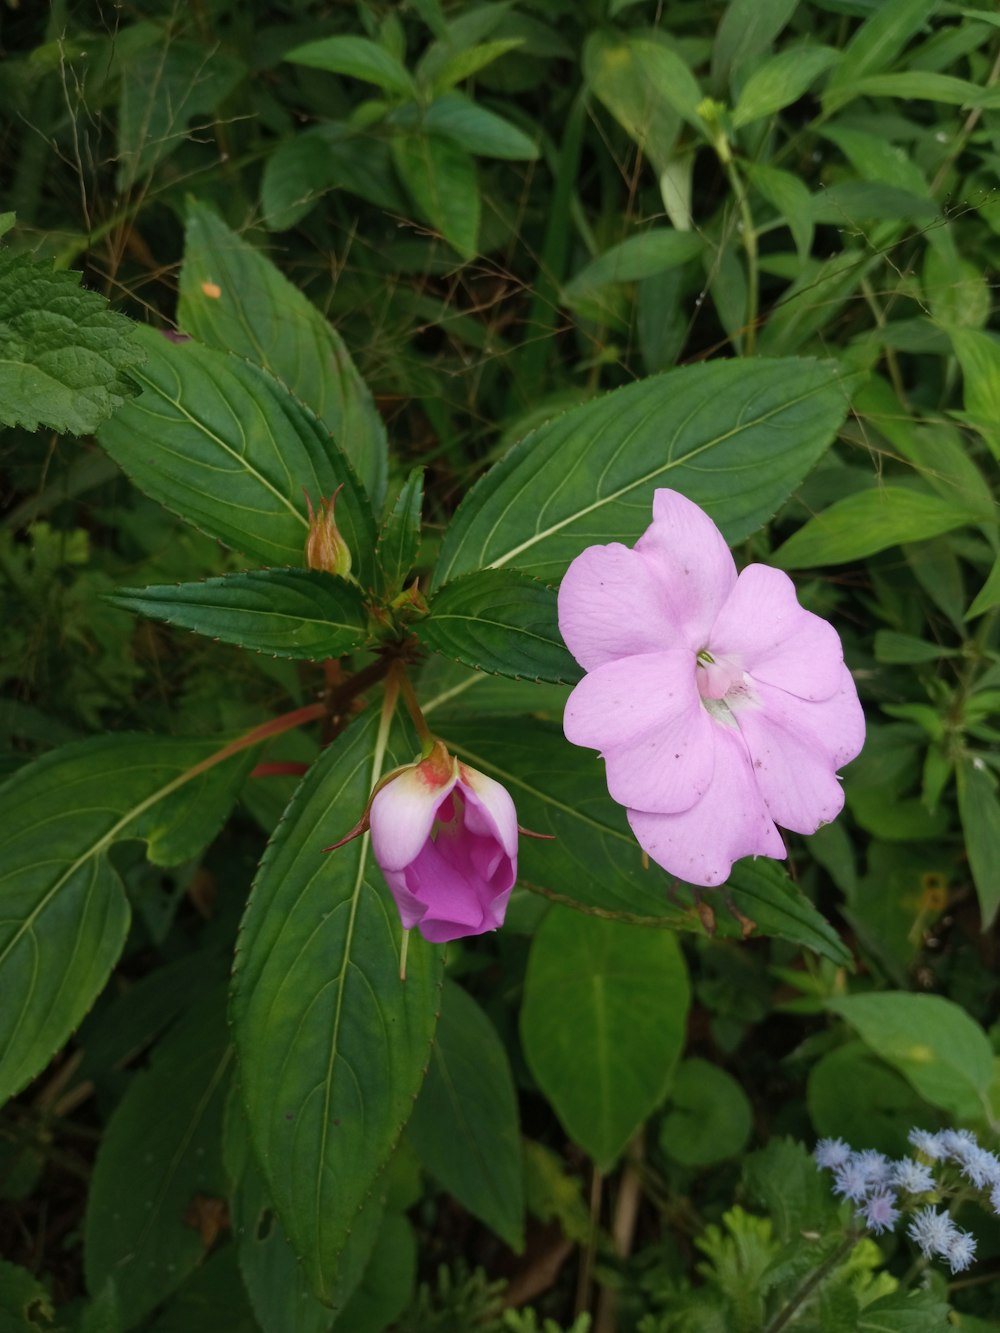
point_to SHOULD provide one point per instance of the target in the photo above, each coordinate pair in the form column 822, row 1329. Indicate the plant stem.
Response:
column 750, row 246
column 404, row 685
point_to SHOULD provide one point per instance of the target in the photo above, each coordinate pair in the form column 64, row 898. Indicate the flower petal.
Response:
column 611, row 606
column 489, row 809
column 402, row 816
column 797, row 746
column 779, row 641
column 699, row 845
column 645, row 715
column 457, row 904
column 691, row 562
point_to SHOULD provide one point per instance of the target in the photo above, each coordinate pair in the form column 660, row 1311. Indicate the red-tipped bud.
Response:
column 325, row 547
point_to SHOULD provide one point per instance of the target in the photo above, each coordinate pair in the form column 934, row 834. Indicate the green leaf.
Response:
column 332, row 1044
column 782, row 80
column 440, row 178
column 989, row 594
column 881, row 38
column 65, row 358
column 594, row 862
column 785, row 191
column 851, row 1094
column 499, row 620
column 710, row 1116
column 979, row 356
column 387, row 1284
column 654, row 251
column 300, row 613
column 979, row 809
column 465, row 1123
column 159, row 1165
column 257, row 313
column 736, row 437
column 908, row 86
column 906, row 649
column 358, row 57
column 933, row 1043
column 296, row 176
column 65, row 914
column 213, row 1298
column 227, row 447
column 906, row 1312
column 602, row 1024
column 747, row 28
column 869, row 521
column 462, row 65
column 784, row 1178
column 617, row 73
column 163, row 88
column 480, row 132
column 399, row 540
column 24, row 1302
column 850, row 201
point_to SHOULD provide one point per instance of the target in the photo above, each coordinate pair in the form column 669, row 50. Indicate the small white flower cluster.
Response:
column 885, row 1189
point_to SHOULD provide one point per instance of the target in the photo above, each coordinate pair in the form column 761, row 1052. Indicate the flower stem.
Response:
column 401, row 680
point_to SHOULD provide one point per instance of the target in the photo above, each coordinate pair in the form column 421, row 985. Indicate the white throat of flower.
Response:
column 724, row 686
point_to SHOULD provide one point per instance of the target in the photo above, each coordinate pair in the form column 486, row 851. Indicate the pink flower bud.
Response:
column 325, row 547
column 445, row 837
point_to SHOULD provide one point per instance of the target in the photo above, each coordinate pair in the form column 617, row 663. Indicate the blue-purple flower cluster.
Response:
column 885, row 1190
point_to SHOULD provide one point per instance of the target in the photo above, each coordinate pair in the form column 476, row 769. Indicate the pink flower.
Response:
column 445, row 837
column 721, row 706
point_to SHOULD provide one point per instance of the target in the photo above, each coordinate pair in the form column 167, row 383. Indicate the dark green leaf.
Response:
column 735, row 436
column 654, row 251
column 160, row 1166
column 781, row 81
column 462, row 64
column 989, row 594
column 65, row 358
column 399, row 540
column 853, row 201
column 710, row 1117
column 64, row 910
column 358, row 57
column 480, row 132
column 748, row 27
column 602, row 1024
column 24, row 1301
column 617, row 74
column 499, row 620
column 979, row 808
column 332, row 1044
column 257, row 313
column 388, row 1281
column 784, row 191
column 211, row 1300
column 440, row 178
column 906, row 1312
column 227, row 447
column 881, row 37
column 465, row 1122
column 762, row 891
column 300, row 613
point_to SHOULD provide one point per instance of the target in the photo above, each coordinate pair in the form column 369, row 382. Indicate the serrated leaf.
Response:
column 399, row 540
column 227, row 447
column 63, row 906
column 867, row 522
column 465, row 1122
column 256, row 312
column 299, row 613
column 935, row 1044
column 979, row 810
column 360, row 58
column 734, row 436
column 440, row 178
column 163, row 88
column 594, row 861
column 499, row 620
column 602, row 1024
column 159, row 1169
column 782, row 80
column 332, row 1044
column 65, row 357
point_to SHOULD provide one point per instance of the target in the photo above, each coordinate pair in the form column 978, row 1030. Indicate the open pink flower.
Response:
column 721, row 706
column 445, row 837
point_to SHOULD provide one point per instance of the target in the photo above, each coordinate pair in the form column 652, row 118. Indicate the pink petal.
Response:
column 489, row 810
column 402, row 816
column 691, row 562
column 645, row 715
column 611, row 606
column 780, row 642
column 699, row 845
column 797, row 746
column 457, row 902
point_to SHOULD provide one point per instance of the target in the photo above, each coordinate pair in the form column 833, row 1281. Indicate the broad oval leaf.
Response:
column 160, row 1159
column 226, row 446
column 603, row 1024
column 440, row 178
column 736, row 437
column 710, row 1116
column 63, row 908
column 465, row 1123
column 934, row 1043
column 332, row 1044
column 867, row 522
column 300, row 613
column 233, row 298
column 502, row 621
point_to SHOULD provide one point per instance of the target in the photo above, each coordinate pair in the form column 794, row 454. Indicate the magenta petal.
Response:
column 402, row 816
column 645, row 715
column 731, row 820
column 779, row 641
column 611, row 606
column 489, row 809
column 797, row 747
column 691, row 563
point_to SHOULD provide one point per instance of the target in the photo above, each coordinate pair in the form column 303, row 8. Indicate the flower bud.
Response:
column 325, row 547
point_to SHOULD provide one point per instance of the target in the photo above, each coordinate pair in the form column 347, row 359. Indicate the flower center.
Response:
column 717, row 676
